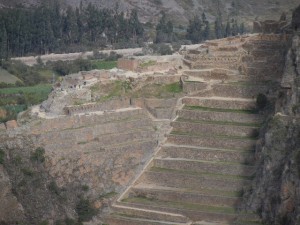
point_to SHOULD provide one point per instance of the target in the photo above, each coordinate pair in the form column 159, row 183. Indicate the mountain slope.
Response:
column 182, row 10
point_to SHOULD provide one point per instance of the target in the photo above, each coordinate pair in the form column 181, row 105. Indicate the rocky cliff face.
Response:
column 275, row 193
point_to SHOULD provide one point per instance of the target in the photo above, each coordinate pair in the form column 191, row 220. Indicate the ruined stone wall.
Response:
column 105, row 106
column 128, row 64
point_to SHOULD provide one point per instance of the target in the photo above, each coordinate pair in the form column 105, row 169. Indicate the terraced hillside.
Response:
column 200, row 173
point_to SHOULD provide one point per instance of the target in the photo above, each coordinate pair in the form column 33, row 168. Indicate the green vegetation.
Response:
column 2, row 155
column 216, row 136
column 68, row 221
column 250, row 111
column 6, row 77
column 189, row 172
column 44, row 222
column 147, row 64
column 180, row 205
column 103, row 65
column 85, row 187
column 297, row 159
column 116, row 89
column 28, row 172
column 159, row 90
column 42, row 89
column 85, row 210
column 108, row 195
column 16, row 99
column 51, row 28
column 225, row 123
column 38, row 155
column 261, row 101
column 54, row 188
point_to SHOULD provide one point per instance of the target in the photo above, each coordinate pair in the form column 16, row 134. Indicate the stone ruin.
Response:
column 270, row 26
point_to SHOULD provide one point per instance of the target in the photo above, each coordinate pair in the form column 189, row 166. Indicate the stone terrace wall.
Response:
column 159, row 108
column 103, row 152
column 128, row 64
column 77, row 121
column 105, row 106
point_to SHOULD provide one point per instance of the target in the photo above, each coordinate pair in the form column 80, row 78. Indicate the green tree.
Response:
column 219, row 27
column 164, row 30
column 194, row 30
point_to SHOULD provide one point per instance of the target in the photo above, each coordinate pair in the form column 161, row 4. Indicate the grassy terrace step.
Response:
column 217, row 136
column 210, row 109
column 120, row 219
column 191, row 210
column 222, row 142
column 221, row 103
column 202, row 191
column 185, row 179
column 208, row 197
column 189, row 152
column 205, row 166
column 236, row 90
column 207, row 114
column 223, row 123
column 148, row 214
column 214, row 128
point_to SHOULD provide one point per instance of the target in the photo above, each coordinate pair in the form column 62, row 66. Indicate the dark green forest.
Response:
column 51, row 28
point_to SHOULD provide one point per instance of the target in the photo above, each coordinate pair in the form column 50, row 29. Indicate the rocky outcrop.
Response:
column 275, row 192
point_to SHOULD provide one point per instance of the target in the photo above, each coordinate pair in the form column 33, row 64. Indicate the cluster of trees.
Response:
column 198, row 29
column 51, row 28
column 164, row 30
column 231, row 28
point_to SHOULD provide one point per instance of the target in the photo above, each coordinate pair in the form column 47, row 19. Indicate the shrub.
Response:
column 298, row 162
column 2, row 155
column 54, row 188
column 85, row 187
column 38, row 155
column 162, row 49
column 84, row 210
column 261, row 101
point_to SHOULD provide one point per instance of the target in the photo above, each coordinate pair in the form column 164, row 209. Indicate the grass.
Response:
column 115, row 89
column 103, row 65
column 108, row 195
column 180, row 205
column 217, row 136
column 225, row 123
column 158, row 90
column 38, row 89
column 7, row 77
column 245, row 111
column 189, row 172
column 147, row 64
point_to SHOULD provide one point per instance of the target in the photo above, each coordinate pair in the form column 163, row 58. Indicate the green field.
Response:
column 20, row 98
column 43, row 89
column 6, row 77
column 103, row 65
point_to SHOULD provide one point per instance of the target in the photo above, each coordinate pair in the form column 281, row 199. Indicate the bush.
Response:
column 113, row 56
column 161, row 49
column 261, row 101
column 38, row 155
column 84, row 210
column 176, row 46
column 2, row 155
column 54, row 188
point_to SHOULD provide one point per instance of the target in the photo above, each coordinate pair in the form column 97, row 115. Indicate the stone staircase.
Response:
column 200, row 173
